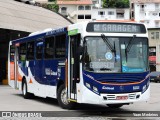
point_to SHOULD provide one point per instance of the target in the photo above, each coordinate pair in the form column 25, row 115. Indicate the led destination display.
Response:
column 116, row 28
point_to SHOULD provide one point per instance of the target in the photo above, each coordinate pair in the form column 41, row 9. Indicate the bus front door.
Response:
column 73, row 67
column 11, row 67
column 18, row 78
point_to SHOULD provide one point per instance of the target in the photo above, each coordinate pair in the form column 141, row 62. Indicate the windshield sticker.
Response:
column 127, row 69
column 117, row 57
column 100, row 65
column 124, row 63
column 124, row 68
column 122, row 46
column 108, row 56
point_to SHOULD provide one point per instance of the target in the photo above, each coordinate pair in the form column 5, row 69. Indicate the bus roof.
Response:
column 39, row 35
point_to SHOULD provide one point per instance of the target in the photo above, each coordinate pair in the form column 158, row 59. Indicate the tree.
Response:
column 115, row 3
column 53, row 7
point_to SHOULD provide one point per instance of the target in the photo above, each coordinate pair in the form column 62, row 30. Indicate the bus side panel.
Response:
column 11, row 74
column 50, row 72
column 11, row 66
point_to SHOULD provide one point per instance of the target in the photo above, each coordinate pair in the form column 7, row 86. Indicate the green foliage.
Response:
column 52, row 7
column 115, row 3
column 104, row 5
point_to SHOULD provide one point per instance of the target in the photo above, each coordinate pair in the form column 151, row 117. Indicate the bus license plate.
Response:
column 121, row 97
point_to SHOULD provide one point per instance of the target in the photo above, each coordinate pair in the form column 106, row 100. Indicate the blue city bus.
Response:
column 99, row 62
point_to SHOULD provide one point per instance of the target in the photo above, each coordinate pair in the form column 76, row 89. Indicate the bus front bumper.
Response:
column 90, row 97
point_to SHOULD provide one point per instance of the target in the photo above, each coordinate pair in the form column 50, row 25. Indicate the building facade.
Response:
column 111, row 14
column 76, row 11
column 148, row 12
column 87, row 10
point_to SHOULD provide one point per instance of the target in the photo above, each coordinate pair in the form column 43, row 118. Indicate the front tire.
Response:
column 62, row 98
column 25, row 92
column 115, row 105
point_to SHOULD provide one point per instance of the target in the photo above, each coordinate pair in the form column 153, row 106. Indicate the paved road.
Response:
column 12, row 100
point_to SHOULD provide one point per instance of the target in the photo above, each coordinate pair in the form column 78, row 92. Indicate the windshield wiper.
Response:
column 105, row 39
column 127, row 49
column 129, row 44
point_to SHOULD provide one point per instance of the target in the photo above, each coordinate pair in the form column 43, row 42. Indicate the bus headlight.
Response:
column 144, row 88
column 88, row 85
column 95, row 89
column 148, row 83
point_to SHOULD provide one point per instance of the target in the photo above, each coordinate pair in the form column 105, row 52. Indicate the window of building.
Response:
column 155, row 14
column 152, row 35
column 101, row 12
column 132, row 14
column 156, row 5
column 87, row 16
column 49, row 48
column 142, row 7
column 132, row 5
column 63, row 9
column 110, row 12
column 60, row 48
column 94, row 2
column 80, row 7
column 22, row 52
column 120, row 15
column 80, row 16
column 157, row 35
column 87, row 7
column 147, row 21
column 39, row 49
column 156, row 23
column 30, row 50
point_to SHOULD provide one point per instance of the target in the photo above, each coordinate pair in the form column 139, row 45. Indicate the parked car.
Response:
column 155, row 77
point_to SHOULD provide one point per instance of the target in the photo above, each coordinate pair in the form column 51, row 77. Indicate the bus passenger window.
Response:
column 12, row 53
column 49, row 48
column 22, row 55
column 30, row 50
column 60, row 46
column 39, row 50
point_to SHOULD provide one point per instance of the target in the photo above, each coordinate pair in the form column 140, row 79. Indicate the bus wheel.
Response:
column 25, row 93
column 62, row 98
column 115, row 105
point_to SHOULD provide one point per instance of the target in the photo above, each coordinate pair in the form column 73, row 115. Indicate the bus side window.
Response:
column 39, row 50
column 22, row 52
column 60, row 46
column 49, row 48
column 12, row 53
column 30, row 50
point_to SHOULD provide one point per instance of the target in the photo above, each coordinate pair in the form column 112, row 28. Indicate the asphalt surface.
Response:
column 12, row 100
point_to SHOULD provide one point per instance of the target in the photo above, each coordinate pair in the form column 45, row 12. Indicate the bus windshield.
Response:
column 98, row 57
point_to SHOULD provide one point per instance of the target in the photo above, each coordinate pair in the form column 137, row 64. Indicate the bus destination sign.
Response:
column 116, row 28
